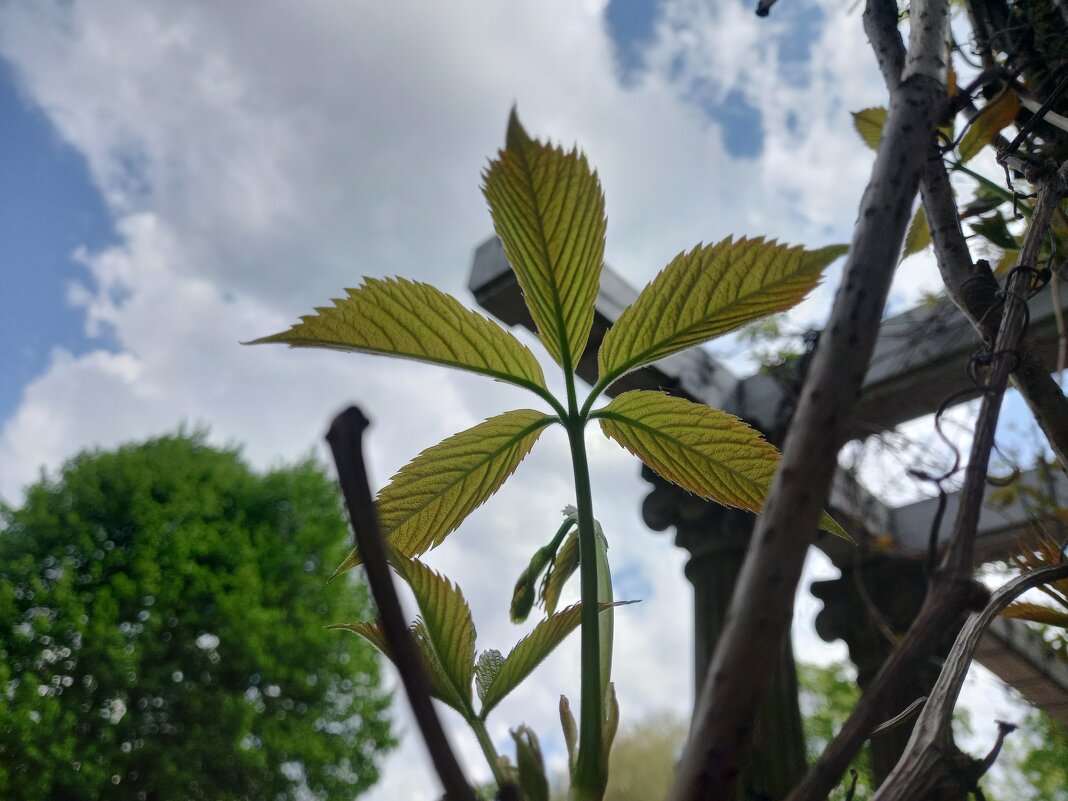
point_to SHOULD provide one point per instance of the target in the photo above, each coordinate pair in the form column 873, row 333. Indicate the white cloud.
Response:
column 257, row 162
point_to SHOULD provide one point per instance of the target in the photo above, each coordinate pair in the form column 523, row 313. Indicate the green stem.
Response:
column 489, row 750
column 549, row 398
column 595, row 393
column 588, row 781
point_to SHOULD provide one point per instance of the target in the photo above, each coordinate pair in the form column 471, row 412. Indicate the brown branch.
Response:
column 345, row 439
column 953, row 591
column 922, row 766
column 762, row 605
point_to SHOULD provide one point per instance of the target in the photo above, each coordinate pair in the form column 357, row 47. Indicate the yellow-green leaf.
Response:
column 919, row 235
column 1006, row 262
column 548, row 210
column 992, row 118
column 396, row 317
column 486, row 669
column 447, row 617
column 1037, row 614
column 869, row 123
column 530, row 651
column 709, row 291
column 704, row 450
column 431, row 495
column 371, row 631
column 440, row 685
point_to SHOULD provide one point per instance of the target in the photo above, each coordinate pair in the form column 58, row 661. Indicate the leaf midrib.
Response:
column 566, row 357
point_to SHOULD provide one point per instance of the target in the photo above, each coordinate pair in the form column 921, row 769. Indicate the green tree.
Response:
column 1035, row 757
column 162, row 613
column 828, row 695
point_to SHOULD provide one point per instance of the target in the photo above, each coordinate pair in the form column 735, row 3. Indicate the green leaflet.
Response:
column 709, row 291
column 563, row 567
column 995, row 229
column 869, row 123
column 397, row 317
column 440, row 685
column 447, row 619
column 548, row 210
column 988, row 124
column 486, row 669
column 704, row 450
column 530, row 765
column 530, row 651
column 431, row 495
column 370, row 631
column 919, row 234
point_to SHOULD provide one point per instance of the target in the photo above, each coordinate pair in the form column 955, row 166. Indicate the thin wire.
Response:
column 979, row 359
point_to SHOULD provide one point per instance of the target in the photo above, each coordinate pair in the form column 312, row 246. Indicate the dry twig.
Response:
column 922, row 767
column 345, row 440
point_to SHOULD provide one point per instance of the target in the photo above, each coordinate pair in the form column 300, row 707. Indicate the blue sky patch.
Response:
column 741, row 123
column 632, row 26
column 48, row 208
column 630, row 583
column 803, row 22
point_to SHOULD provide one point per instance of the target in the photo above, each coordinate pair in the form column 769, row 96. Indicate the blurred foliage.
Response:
column 162, row 613
column 774, row 344
column 1038, row 754
column 828, row 695
column 643, row 759
column 1036, row 495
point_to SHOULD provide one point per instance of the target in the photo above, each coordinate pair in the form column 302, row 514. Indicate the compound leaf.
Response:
column 704, row 450
column 548, row 210
column 396, row 317
column 431, row 495
column 447, row 619
column 709, row 291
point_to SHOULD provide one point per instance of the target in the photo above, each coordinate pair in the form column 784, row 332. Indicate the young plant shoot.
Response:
column 548, row 211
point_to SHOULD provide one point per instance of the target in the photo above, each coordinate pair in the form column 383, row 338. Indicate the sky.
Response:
column 179, row 178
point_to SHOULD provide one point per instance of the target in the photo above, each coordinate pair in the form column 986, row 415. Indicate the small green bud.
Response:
column 523, row 594
column 611, row 723
column 570, row 728
column 528, row 757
